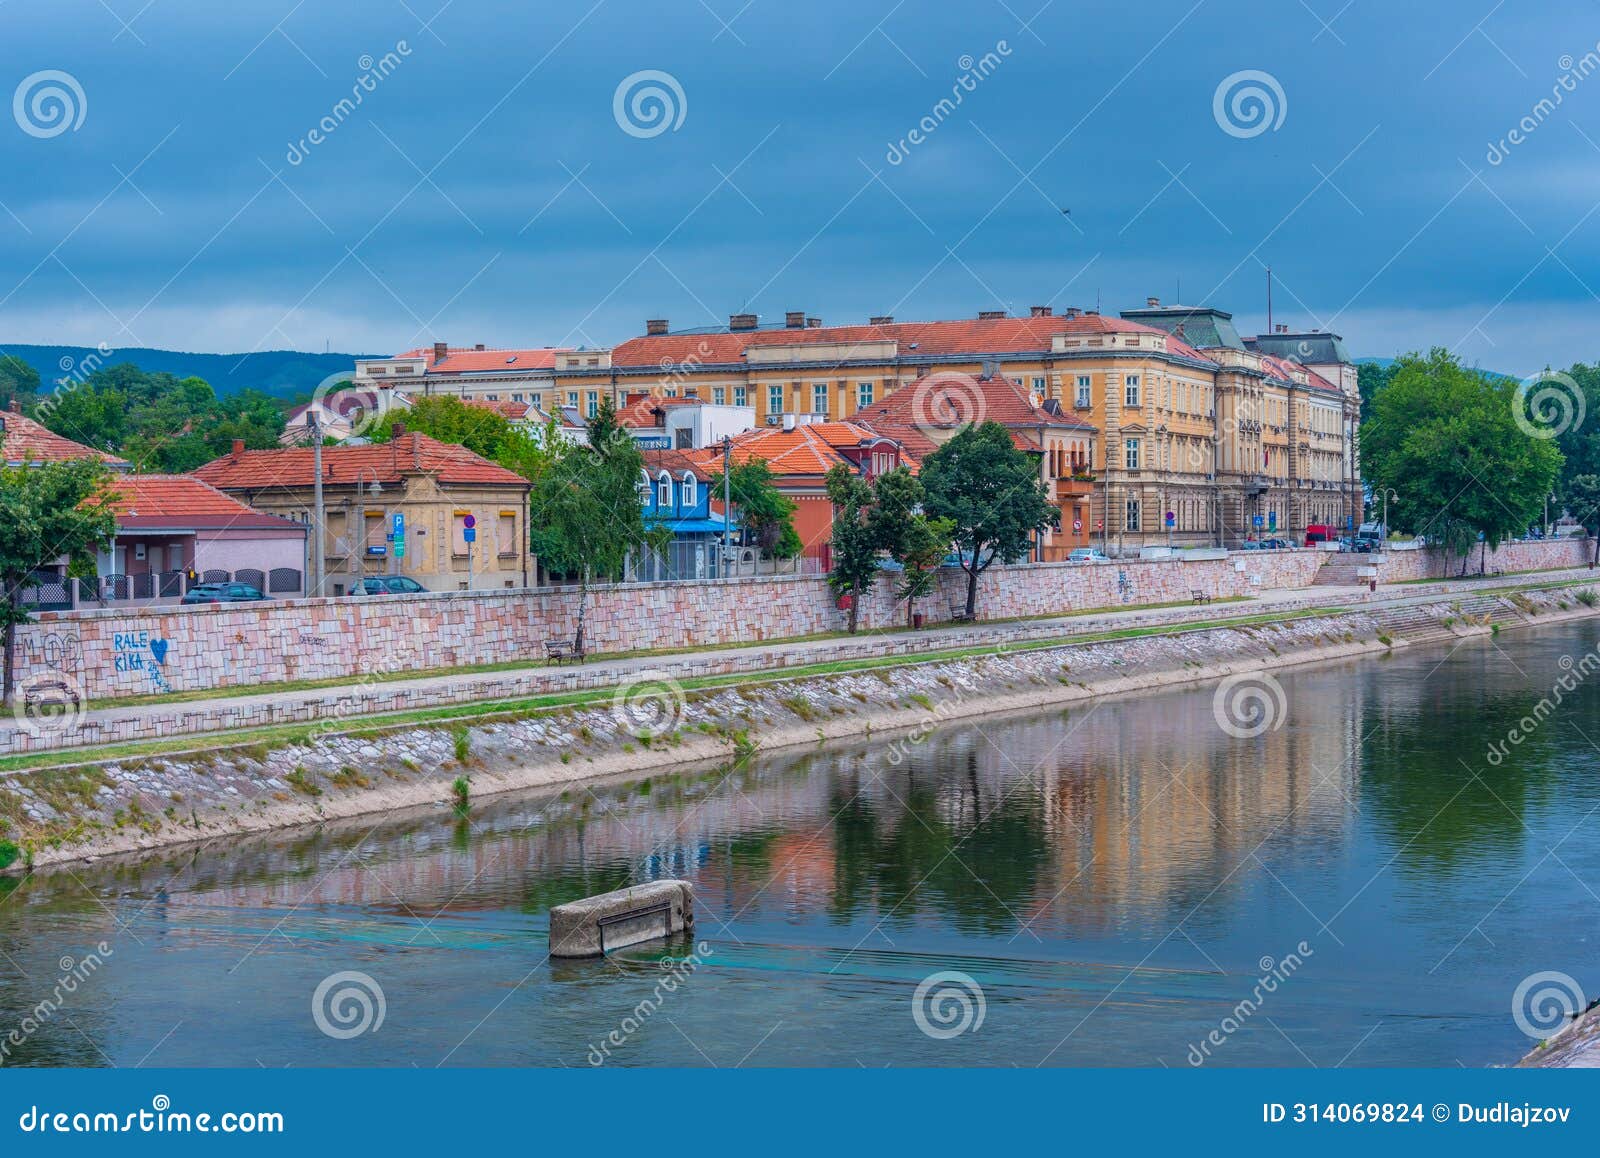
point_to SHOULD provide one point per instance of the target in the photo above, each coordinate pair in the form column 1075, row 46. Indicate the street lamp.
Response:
column 1384, row 493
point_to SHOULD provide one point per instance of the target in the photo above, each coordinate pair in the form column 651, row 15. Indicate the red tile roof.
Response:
column 947, row 401
column 408, row 455
column 25, row 440
column 973, row 337
column 698, row 464
column 803, row 454
column 177, row 500
column 640, row 411
column 465, row 360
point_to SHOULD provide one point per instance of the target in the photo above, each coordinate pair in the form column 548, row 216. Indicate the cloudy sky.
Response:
column 498, row 181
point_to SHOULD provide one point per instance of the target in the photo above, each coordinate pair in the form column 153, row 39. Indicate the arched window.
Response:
column 664, row 490
column 644, row 488
column 690, row 498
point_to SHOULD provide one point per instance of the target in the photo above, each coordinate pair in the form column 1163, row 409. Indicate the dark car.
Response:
column 1274, row 544
column 388, row 585
column 223, row 593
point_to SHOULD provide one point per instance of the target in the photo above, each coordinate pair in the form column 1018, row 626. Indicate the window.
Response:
column 741, row 396
column 1038, row 386
column 1130, row 454
column 506, row 536
column 518, row 398
column 1083, row 391
column 537, row 400
column 1132, row 522
column 664, row 491
column 644, row 489
column 1130, row 391
column 774, row 399
column 494, row 397
column 863, row 395
column 689, row 496
column 572, row 397
column 719, row 395
column 592, row 406
column 819, row 398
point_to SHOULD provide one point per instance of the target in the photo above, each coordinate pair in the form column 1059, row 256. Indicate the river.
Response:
column 1122, row 884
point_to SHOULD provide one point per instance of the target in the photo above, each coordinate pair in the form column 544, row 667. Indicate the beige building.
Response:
column 395, row 508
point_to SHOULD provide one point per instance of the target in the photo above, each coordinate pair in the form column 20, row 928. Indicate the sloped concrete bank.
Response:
column 90, row 810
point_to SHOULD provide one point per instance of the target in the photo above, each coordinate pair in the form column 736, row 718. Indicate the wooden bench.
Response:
column 1200, row 596
column 961, row 616
column 557, row 650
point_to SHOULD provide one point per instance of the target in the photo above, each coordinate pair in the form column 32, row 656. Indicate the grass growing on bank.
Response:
column 258, row 740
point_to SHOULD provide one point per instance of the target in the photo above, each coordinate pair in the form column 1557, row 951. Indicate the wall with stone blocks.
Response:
column 126, row 652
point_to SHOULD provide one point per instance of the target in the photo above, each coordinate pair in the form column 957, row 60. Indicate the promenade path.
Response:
column 238, row 709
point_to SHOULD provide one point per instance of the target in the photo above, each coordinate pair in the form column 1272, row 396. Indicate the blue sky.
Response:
column 485, row 191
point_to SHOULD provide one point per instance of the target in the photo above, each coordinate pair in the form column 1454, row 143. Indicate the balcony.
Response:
column 1075, row 486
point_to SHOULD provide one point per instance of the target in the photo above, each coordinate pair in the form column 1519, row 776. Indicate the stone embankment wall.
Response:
column 113, row 653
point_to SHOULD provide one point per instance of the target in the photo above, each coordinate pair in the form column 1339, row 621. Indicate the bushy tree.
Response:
column 479, row 429
column 19, row 382
column 854, row 547
column 907, row 535
column 764, row 514
column 993, row 496
column 1447, row 439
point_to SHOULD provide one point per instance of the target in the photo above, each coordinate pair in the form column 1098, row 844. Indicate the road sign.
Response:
column 1272, row 519
column 1077, row 524
column 399, row 525
column 469, row 522
column 470, row 534
column 1256, row 520
column 1171, row 518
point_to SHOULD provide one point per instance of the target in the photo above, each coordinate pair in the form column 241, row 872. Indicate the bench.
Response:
column 1200, row 596
column 557, row 650
column 961, row 616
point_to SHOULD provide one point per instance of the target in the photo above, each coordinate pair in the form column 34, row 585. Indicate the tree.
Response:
column 585, row 511
column 19, row 383
column 764, row 514
column 1371, row 378
column 479, row 429
column 46, row 512
column 992, row 494
column 1447, row 439
column 1582, row 497
column 901, row 529
column 854, row 547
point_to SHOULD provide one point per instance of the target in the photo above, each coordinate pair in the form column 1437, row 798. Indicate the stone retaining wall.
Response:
column 115, row 653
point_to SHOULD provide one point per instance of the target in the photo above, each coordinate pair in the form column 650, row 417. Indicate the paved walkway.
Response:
column 115, row 723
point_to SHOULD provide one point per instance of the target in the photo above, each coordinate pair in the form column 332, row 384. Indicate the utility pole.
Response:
column 319, row 551
column 727, row 500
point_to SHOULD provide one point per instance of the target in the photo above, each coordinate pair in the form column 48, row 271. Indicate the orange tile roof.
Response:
column 408, row 455
column 25, row 440
column 947, row 401
column 805, row 453
column 640, row 411
column 466, row 360
column 699, row 464
column 178, row 500
column 974, row 337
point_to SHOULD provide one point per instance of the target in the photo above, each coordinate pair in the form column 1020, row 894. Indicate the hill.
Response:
column 282, row 373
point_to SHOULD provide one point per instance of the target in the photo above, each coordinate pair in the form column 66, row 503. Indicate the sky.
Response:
column 164, row 180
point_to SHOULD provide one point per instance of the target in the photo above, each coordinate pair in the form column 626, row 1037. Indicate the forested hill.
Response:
column 281, row 373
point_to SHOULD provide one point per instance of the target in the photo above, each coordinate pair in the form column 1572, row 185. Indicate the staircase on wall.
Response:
column 1341, row 569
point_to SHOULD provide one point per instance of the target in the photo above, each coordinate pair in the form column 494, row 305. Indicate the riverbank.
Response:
column 654, row 725
column 1577, row 1047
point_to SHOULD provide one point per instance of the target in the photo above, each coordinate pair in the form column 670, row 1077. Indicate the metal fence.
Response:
column 56, row 594
column 687, row 560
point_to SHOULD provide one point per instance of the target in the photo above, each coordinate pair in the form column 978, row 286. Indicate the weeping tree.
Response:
column 586, row 515
column 48, row 512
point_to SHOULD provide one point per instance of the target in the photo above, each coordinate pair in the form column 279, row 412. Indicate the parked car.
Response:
column 388, row 585
column 1275, row 544
column 1086, row 555
column 1372, row 534
column 1318, row 533
column 223, row 593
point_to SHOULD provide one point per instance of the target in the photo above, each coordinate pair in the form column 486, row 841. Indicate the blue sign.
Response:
column 399, row 525
column 1256, row 519
column 470, row 534
column 1272, row 519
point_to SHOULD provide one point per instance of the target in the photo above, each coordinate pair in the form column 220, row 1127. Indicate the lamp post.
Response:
column 1384, row 493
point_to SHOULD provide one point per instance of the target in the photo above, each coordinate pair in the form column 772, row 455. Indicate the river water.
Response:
column 1121, row 884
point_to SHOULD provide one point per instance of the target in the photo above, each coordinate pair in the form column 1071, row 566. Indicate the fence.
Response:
column 688, row 560
column 61, row 594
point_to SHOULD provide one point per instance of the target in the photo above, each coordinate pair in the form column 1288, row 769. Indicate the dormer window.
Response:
column 689, row 496
column 664, row 490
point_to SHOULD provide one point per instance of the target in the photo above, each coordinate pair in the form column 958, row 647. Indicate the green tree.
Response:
column 46, row 512
column 918, row 543
column 854, row 546
column 1371, row 378
column 765, row 515
column 1582, row 497
column 1446, row 438
column 992, row 493
column 19, row 383
column 585, row 510
column 479, row 429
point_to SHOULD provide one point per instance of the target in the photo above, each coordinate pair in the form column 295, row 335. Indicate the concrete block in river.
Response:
column 595, row 926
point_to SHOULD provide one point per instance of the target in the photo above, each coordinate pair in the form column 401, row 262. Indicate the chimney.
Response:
column 789, row 421
column 743, row 321
column 795, row 319
column 655, row 326
column 635, row 398
column 440, row 350
column 990, row 315
column 1039, row 311
column 238, row 447
column 1153, row 303
column 813, row 323
column 881, row 320
column 479, row 346
column 1071, row 312
column 399, row 429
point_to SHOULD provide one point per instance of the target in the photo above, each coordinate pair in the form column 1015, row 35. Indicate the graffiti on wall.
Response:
column 139, row 651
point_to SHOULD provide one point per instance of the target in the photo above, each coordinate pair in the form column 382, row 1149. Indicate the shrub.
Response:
column 9, row 852
column 463, row 745
column 461, row 789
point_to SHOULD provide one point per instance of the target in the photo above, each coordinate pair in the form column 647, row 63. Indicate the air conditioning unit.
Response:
column 774, row 420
